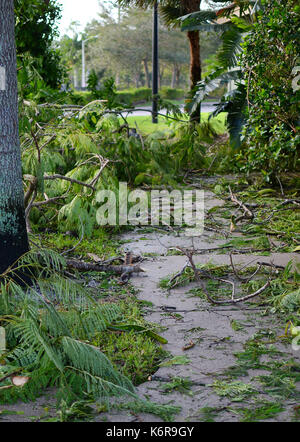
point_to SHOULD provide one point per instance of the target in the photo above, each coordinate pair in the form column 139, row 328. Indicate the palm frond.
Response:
column 193, row 21
column 231, row 47
column 210, row 83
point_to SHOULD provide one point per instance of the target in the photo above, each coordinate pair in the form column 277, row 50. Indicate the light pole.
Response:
column 155, row 65
column 83, row 79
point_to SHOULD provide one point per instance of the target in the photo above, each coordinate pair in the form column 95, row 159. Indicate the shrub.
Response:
column 132, row 96
column 271, row 53
column 169, row 93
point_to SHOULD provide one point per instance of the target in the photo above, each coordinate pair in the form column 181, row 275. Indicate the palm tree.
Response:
column 232, row 22
column 171, row 10
column 13, row 235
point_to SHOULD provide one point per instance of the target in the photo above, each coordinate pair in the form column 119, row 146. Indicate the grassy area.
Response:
column 146, row 127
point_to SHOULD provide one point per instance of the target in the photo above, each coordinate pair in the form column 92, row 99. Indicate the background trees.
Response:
column 171, row 10
column 124, row 49
column 35, row 32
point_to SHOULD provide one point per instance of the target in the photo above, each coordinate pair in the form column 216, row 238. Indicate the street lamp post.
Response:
column 155, row 65
column 83, row 76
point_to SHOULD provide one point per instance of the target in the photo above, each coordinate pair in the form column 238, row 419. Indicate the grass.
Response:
column 265, row 411
column 205, row 414
column 102, row 243
column 182, row 385
column 134, row 354
column 146, row 127
column 237, row 391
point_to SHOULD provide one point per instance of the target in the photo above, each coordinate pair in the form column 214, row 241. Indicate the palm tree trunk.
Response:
column 147, row 75
column 13, row 234
column 173, row 80
column 195, row 67
column 177, row 81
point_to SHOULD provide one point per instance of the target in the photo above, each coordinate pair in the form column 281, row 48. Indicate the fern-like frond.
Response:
column 97, row 370
column 291, row 301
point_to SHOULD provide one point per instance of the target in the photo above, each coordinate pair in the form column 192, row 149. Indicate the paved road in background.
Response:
column 146, row 110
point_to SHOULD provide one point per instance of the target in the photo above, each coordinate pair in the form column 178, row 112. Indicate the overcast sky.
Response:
column 77, row 10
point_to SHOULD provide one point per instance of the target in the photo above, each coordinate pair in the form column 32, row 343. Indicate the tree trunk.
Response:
column 175, row 76
column 177, row 81
column 195, row 67
column 160, row 77
column 13, row 234
column 147, row 75
column 173, row 81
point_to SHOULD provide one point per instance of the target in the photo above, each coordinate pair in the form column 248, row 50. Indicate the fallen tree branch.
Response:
column 189, row 254
column 247, row 211
column 240, row 277
column 66, row 178
column 119, row 269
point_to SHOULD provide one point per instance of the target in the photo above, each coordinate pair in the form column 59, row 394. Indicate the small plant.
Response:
column 267, row 410
column 237, row 391
column 182, row 385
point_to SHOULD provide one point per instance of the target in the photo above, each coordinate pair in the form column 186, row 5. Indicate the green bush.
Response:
column 81, row 97
column 131, row 96
column 169, row 93
column 271, row 53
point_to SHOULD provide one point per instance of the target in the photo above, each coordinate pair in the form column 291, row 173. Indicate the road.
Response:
column 146, row 110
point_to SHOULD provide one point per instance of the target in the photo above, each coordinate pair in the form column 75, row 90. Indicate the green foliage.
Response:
column 48, row 328
column 183, row 385
column 271, row 51
column 133, row 353
column 51, row 331
column 74, row 144
column 35, row 31
column 165, row 412
column 237, row 391
column 133, row 96
column 107, row 91
column 291, row 301
column 267, row 410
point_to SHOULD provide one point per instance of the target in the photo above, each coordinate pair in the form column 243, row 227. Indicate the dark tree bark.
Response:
column 160, row 77
column 195, row 67
column 147, row 75
column 195, row 54
column 13, row 234
column 175, row 76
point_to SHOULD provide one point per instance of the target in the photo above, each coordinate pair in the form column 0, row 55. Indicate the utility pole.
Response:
column 83, row 76
column 155, row 72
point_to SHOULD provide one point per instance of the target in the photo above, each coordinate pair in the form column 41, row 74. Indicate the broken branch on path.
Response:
column 100, row 267
column 240, row 277
column 247, row 212
column 198, row 272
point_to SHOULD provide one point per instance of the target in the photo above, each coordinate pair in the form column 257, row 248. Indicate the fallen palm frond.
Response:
column 49, row 326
